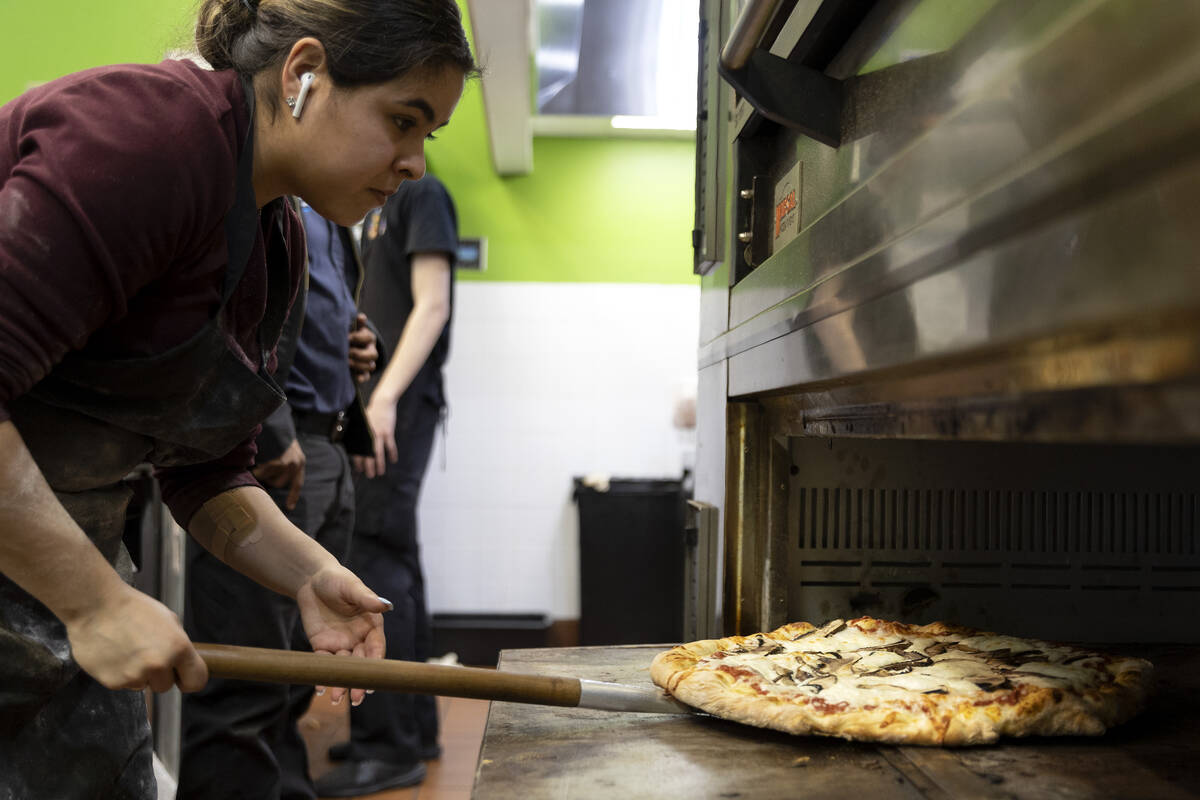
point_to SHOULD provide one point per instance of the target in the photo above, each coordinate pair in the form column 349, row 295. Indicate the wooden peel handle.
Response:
column 285, row 666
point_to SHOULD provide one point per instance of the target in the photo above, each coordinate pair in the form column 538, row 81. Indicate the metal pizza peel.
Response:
column 286, row 666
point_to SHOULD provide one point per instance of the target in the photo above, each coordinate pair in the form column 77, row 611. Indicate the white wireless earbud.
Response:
column 306, row 82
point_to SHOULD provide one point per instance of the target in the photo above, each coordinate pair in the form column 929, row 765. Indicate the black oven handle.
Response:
column 791, row 94
column 747, row 31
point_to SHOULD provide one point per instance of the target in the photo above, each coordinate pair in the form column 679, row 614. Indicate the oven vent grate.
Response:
column 1057, row 541
column 998, row 521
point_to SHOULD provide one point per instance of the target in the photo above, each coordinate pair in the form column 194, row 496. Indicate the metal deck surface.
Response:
column 539, row 752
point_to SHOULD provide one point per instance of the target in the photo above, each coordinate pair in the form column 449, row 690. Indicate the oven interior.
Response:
column 1092, row 541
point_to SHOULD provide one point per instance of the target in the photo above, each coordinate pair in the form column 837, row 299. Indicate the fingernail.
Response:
column 387, row 603
column 369, row 691
column 337, row 701
column 357, row 702
column 320, row 691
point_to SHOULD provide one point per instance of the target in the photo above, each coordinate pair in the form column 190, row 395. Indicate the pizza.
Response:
column 872, row 680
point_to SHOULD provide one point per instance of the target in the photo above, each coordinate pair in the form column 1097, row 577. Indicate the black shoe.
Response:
column 366, row 777
column 341, row 751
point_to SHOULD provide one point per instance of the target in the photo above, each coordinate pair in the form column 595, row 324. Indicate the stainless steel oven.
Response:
column 952, row 337
column 950, row 322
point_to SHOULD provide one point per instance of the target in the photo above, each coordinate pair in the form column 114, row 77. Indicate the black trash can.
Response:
column 631, row 554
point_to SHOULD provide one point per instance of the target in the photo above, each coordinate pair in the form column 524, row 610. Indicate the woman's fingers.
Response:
column 337, row 693
column 131, row 641
column 357, row 695
column 161, row 679
column 342, row 616
column 380, row 448
column 191, row 673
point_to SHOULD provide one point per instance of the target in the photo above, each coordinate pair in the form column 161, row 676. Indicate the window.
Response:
column 612, row 64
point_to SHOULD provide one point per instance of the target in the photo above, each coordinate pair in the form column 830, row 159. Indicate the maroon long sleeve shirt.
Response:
column 115, row 186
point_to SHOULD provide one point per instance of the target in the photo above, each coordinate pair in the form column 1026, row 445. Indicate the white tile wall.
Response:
column 547, row 382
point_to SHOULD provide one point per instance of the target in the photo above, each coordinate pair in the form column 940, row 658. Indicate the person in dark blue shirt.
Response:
column 409, row 247
column 245, row 734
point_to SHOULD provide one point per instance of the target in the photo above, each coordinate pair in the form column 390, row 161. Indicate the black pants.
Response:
column 385, row 554
column 240, row 738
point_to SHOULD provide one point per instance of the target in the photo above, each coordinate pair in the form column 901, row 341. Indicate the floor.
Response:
column 449, row 777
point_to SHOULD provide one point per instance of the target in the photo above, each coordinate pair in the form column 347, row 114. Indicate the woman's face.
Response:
column 360, row 144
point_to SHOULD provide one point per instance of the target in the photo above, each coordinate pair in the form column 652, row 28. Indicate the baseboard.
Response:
column 563, row 633
column 479, row 638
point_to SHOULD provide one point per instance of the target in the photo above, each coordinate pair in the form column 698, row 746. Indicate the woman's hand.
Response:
column 342, row 616
column 129, row 640
column 381, row 415
column 121, row 637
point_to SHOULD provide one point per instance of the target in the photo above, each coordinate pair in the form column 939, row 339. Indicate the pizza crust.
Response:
column 1097, row 693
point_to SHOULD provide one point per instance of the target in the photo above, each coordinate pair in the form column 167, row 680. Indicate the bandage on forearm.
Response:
column 223, row 521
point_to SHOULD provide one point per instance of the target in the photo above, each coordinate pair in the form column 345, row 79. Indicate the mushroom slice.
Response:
column 823, row 681
column 895, row 668
column 916, row 659
column 992, row 684
column 830, row 628
column 1080, row 657
column 836, row 664
column 895, row 647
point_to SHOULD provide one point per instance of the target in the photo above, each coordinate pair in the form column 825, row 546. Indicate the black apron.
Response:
column 88, row 424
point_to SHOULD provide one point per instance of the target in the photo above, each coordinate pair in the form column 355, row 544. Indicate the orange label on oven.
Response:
column 788, row 200
column 783, row 209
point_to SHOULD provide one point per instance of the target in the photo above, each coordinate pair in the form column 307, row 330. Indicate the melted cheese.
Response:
column 861, row 668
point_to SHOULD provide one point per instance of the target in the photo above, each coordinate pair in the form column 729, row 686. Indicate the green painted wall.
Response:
column 45, row 39
column 593, row 210
column 600, row 210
